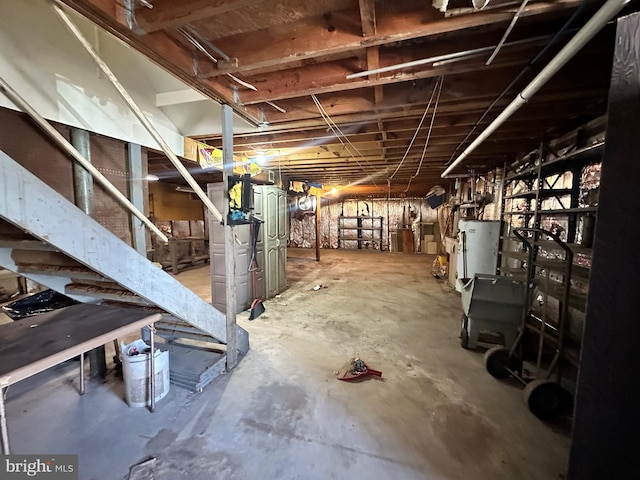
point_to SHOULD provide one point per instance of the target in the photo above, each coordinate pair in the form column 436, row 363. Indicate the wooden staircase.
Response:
column 47, row 239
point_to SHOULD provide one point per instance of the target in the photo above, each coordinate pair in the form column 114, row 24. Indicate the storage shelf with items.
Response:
column 555, row 189
column 360, row 232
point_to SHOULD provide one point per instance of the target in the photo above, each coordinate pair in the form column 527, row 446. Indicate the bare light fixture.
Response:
column 152, row 178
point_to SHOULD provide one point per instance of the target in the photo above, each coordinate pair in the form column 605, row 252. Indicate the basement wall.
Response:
column 23, row 142
column 166, row 204
column 395, row 213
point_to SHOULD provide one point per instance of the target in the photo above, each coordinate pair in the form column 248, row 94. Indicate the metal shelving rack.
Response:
column 348, row 232
column 531, row 195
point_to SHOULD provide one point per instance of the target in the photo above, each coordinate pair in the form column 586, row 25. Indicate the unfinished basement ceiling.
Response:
column 283, row 66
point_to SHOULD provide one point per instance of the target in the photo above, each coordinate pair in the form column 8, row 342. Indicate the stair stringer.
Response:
column 34, row 207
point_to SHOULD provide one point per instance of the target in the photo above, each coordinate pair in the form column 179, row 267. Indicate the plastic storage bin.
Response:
column 137, row 374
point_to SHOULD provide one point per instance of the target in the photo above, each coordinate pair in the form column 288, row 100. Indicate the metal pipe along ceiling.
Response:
column 139, row 113
column 586, row 33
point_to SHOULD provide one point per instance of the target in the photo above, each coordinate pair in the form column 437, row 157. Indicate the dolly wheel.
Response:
column 496, row 360
column 544, row 398
column 464, row 333
column 464, row 338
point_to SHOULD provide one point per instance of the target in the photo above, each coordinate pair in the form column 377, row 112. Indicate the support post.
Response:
column 82, row 375
column 4, row 431
column 152, row 368
column 229, row 237
column 137, row 176
column 82, row 180
column 83, row 189
column 318, row 219
column 607, row 418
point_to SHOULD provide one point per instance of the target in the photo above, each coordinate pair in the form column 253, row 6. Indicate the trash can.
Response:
column 136, row 372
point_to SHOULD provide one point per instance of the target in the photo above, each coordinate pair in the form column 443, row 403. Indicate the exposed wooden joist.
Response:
column 305, row 41
column 171, row 13
column 368, row 17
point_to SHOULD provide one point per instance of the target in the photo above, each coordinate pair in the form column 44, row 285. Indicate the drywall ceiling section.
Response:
column 202, row 117
column 49, row 68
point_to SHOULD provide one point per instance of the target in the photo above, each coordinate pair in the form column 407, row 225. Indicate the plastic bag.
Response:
column 40, row 302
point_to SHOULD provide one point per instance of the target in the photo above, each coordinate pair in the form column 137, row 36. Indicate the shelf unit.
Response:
column 353, row 229
column 544, row 192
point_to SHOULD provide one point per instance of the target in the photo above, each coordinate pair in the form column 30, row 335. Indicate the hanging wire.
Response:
column 424, row 115
column 517, row 78
column 336, row 128
column 338, row 133
column 426, row 142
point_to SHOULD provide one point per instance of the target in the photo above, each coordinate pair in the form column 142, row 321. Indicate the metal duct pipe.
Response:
column 67, row 147
column 586, row 33
column 138, row 113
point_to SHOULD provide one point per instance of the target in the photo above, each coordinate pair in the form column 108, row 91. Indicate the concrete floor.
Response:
column 282, row 414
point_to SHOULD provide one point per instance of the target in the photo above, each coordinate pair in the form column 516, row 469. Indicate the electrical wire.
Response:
column 424, row 115
column 426, row 142
column 337, row 128
column 338, row 133
column 528, row 66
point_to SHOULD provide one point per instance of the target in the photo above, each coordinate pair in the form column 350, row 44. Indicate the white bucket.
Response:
column 136, row 372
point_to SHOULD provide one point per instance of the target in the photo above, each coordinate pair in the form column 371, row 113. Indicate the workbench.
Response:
column 33, row 344
column 181, row 253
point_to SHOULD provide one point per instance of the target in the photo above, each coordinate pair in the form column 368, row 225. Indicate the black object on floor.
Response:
column 40, row 302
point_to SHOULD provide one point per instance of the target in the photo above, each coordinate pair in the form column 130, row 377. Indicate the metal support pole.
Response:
column 82, row 181
column 318, row 219
column 152, row 368
column 3, row 424
column 82, row 376
column 83, row 189
column 137, row 176
column 229, row 238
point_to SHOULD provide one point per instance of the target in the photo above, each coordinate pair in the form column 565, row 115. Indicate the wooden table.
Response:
column 33, row 344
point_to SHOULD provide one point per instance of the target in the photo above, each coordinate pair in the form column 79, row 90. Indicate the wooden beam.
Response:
column 400, row 103
column 330, row 75
column 607, row 420
column 172, row 14
column 368, row 17
column 292, row 43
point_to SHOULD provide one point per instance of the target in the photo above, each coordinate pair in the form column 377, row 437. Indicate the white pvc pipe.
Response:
column 442, row 58
column 67, row 147
column 507, row 32
column 586, row 33
column 138, row 113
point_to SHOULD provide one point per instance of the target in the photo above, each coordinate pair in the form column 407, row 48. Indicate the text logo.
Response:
column 39, row 467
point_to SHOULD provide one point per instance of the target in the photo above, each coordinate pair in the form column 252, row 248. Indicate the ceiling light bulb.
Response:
column 152, row 178
column 333, row 191
column 260, row 159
